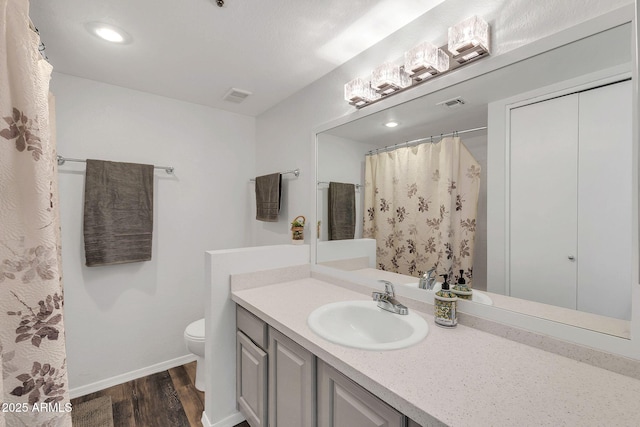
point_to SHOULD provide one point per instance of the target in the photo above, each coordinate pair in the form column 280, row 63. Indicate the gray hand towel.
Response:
column 342, row 211
column 268, row 197
column 118, row 212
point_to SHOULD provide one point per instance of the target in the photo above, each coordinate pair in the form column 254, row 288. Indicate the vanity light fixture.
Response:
column 469, row 39
column 108, row 32
column 359, row 92
column 388, row 78
column 391, row 124
column 425, row 60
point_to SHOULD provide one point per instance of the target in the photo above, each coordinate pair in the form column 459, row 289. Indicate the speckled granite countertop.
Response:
column 458, row 377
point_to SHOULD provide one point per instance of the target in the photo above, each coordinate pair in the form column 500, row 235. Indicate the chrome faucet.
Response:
column 428, row 280
column 387, row 300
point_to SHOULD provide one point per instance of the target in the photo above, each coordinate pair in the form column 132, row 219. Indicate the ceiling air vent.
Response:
column 452, row 103
column 236, row 95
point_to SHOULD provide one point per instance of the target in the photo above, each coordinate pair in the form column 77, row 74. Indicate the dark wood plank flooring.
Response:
column 168, row 398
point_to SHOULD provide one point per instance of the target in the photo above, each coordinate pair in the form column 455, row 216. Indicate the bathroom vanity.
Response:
column 457, row 377
column 301, row 388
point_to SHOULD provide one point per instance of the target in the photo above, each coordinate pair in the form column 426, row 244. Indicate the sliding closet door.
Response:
column 543, row 201
column 604, row 201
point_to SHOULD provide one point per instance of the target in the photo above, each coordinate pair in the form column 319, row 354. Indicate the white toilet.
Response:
column 194, row 338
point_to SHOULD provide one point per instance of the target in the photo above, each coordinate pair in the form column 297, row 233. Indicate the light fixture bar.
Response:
column 468, row 41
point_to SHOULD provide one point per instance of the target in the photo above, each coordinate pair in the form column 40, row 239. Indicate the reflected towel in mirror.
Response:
column 342, row 211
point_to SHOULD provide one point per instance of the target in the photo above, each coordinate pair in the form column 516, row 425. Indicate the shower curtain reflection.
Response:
column 420, row 205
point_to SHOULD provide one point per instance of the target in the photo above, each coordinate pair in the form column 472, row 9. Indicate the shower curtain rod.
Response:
column 62, row 160
column 416, row 141
column 296, row 172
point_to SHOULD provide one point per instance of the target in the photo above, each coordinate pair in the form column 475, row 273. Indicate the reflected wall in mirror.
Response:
column 511, row 265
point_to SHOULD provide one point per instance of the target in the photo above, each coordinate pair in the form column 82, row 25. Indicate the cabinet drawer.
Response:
column 252, row 327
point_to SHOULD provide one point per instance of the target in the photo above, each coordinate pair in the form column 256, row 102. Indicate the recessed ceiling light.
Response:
column 108, row 32
column 391, row 124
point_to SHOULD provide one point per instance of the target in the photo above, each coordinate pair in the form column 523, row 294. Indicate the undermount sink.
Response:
column 477, row 296
column 362, row 324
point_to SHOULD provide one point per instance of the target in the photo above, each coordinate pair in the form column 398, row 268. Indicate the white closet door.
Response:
column 604, row 201
column 543, row 205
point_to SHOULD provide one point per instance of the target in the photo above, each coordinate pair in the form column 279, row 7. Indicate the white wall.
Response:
column 285, row 132
column 129, row 317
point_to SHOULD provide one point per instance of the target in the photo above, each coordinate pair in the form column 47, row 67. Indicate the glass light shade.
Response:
column 388, row 78
column 425, row 60
column 469, row 39
column 359, row 92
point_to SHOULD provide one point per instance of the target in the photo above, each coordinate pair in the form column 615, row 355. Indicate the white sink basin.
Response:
column 361, row 324
column 477, row 296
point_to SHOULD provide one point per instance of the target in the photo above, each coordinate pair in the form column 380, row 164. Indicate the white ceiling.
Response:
column 195, row 51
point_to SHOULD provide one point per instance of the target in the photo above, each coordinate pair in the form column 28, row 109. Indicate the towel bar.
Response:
column 296, row 172
column 62, row 160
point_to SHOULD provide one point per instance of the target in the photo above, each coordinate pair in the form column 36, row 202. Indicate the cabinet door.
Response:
column 604, row 201
column 251, row 381
column 292, row 385
column 543, row 183
column 342, row 403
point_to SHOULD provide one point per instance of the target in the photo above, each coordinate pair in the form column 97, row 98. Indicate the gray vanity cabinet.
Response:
column 291, row 383
column 251, row 368
column 341, row 402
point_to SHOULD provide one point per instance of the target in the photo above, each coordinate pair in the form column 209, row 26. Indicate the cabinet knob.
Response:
column 571, row 258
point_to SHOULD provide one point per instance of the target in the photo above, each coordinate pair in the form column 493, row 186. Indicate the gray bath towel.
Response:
column 268, row 197
column 342, row 211
column 118, row 212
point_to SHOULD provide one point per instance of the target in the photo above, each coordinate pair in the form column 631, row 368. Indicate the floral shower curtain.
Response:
column 33, row 385
column 421, row 204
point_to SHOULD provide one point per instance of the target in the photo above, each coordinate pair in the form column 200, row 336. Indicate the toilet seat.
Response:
column 195, row 331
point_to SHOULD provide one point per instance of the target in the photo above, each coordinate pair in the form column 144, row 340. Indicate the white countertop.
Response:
column 459, row 377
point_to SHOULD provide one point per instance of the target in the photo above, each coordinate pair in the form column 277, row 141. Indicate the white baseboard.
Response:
column 232, row 420
column 128, row 376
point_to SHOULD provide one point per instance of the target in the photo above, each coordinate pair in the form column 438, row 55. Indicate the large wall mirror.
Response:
column 527, row 133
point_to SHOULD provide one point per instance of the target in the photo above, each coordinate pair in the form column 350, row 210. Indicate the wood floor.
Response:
column 165, row 399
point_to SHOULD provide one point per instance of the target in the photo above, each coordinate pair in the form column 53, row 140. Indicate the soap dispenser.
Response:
column 461, row 289
column 445, row 305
